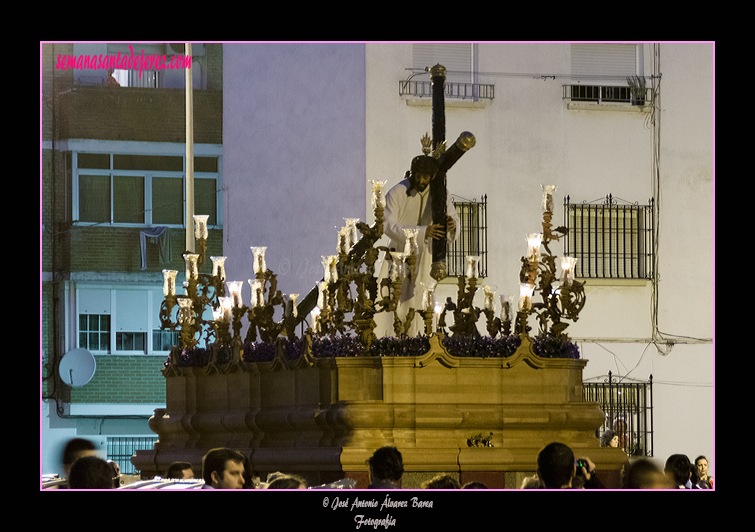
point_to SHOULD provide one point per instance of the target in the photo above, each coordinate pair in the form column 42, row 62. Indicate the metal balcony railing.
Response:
column 458, row 91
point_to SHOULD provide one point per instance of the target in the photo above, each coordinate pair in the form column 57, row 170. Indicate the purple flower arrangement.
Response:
column 351, row 346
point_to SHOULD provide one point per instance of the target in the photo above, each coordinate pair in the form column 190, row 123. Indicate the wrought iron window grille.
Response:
column 612, row 239
column 471, row 238
column 628, row 409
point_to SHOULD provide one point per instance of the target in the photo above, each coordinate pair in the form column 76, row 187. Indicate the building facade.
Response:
column 113, row 170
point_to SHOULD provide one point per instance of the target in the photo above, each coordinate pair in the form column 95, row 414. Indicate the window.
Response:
column 610, row 240
column 461, row 73
column 599, row 73
column 472, row 237
column 94, row 332
column 124, row 320
column 139, row 190
column 628, row 409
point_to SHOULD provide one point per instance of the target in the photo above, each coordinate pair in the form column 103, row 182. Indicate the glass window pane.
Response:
column 128, row 199
column 205, row 200
column 98, row 161
column 205, row 164
column 167, row 200
column 94, row 198
column 148, row 162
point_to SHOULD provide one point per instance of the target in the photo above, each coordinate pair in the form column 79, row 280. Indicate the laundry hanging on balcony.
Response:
column 162, row 235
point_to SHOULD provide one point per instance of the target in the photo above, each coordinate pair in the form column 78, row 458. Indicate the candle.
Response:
column 525, row 296
column 200, row 226
column 169, row 282
column 218, row 267
column 548, row 191
column 234, row 289
column 377, row 194
column 533, row 246
column 192, row 269
column 257, row 293
column 438, row 309
column 259, row 259
column 567, row 270
column 410, row 241
column 472, row 271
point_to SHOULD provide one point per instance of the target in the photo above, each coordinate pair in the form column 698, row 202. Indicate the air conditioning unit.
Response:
column 177, row 48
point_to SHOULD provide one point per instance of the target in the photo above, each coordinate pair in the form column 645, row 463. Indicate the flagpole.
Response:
column 189, row 154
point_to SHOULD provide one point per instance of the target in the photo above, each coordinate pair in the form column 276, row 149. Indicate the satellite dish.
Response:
column 77, row 367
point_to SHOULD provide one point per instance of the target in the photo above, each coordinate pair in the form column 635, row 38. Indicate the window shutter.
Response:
column 131, row 311
column 607, row 64
column 96, row 301
column 456, row 57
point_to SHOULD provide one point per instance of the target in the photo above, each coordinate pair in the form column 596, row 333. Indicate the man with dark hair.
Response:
column 386, row 468
column 555, row 466
column 75, row 449
column 90, row 473
column 677, row 468
column 223, row 469
column 179, row 470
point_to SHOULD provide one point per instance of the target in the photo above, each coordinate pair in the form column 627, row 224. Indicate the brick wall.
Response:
column 124, row 379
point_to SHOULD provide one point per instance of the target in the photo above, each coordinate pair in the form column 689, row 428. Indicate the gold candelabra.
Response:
column 349, row 296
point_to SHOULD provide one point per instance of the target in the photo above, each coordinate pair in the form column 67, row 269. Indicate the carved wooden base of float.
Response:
column 323, row 418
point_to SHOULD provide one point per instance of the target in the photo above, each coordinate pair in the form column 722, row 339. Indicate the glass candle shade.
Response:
column 169, row 282
column 258, row 296
column 473, row 267
column 226, row 308
column 218, row 268
column 525, row 296
column 315, row 314
column 258, row 259
column 533, row 246
column 567, row 270
column 234, row 291
column 428, row 295
column 397, row 266
column 200, row 226
column 353, row 232
column 489, row 297
column 294, row 311
column 322, row 294
column 377, row 194
column 192, row 268
column 548, row 191
column 410, row 241
column 185, row 311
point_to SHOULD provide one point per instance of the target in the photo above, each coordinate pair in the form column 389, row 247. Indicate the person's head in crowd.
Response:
column 90, row 473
